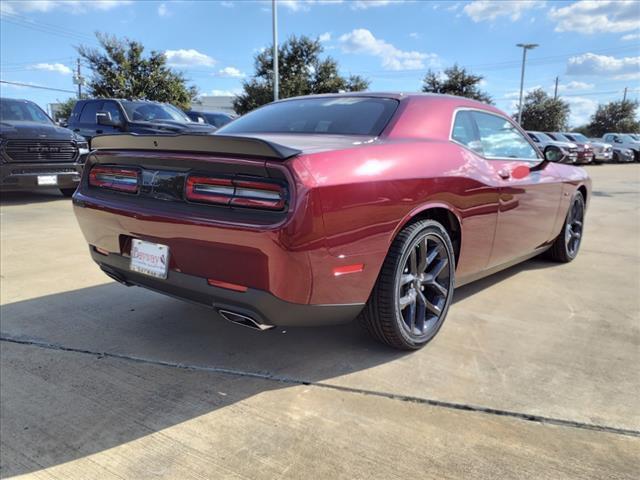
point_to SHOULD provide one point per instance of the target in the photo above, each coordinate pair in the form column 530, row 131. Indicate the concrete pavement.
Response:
column 538, row 341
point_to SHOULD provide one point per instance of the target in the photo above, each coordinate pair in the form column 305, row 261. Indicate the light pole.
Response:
column 525, row 47
column 274, row 11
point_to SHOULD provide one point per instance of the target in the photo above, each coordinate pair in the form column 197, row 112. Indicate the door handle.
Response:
column 504, row 173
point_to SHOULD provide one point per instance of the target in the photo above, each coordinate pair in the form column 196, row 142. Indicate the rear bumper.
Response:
column 260, row 305
column 603, row 156
column 24, row 176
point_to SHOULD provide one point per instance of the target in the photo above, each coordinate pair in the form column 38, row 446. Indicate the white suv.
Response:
column 624, row 140
column 569, row 150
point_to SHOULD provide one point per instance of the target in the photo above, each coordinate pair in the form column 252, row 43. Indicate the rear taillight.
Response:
column 114, row 178
column 252, row 193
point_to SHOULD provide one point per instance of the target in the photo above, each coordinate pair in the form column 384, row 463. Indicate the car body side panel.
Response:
column 369, row 193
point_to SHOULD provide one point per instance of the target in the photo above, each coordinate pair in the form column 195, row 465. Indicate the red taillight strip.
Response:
column 114, row 178
column 229, row 286
column 239, row 193
column 208, row 189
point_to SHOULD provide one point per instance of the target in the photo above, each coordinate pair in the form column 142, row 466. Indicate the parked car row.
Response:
column 578, row 149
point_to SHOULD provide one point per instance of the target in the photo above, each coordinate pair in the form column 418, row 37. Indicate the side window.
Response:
column 464, row 131
column 89, row 111
column 114, row 110
column 501, row 139
column 534, row 138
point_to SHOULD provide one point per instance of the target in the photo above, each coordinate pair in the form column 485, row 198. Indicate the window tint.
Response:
column 464, row 131
column 326, row 115
column 114, row 110
column 89, row 111
column 217, row 119
column 501, row 139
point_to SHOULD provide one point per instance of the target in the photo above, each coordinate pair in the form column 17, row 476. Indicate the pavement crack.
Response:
column 293, row 381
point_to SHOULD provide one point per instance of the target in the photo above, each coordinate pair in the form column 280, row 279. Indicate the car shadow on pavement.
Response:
column 26, row 198
column 166, row 363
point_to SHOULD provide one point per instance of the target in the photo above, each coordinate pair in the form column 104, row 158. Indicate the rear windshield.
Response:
column 335, row 116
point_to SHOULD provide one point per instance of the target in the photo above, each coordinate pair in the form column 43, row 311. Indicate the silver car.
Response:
column 602, row 151
column 569, row 150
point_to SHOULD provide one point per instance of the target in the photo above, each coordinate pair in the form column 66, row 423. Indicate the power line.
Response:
column 36, row 86
column 43, row 27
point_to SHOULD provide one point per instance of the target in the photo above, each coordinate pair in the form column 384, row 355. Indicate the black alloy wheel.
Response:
column 410, row 300
column 567, row 245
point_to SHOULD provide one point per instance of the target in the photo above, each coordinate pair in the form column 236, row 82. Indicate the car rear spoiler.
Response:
column 223, row 144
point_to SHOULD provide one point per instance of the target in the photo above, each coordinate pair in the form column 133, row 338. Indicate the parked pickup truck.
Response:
column 35, row 152
column 624, row 140
column 108, row 116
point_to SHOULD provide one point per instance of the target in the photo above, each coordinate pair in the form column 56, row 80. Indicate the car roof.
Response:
column 394, row 95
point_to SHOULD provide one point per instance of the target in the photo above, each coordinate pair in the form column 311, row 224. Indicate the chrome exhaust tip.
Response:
column 244, row 320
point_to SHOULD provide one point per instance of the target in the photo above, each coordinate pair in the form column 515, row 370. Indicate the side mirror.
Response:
column 553, row 155
column 104, row 118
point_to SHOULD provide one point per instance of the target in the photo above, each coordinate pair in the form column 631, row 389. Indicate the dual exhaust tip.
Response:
column 244, row 320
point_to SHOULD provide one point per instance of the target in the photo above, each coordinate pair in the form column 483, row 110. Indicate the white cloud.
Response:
column 52, row 67
column 224, row 93
column 581, row 109
column 229, row 72
column 303, row 5
column 227, row 4
column 601, row 16
column 365, row 4
column 625, row 68
column 73, row 6
column 163, row 11
column 415, row 35
column 574, row 85
column 631, row 36
column 325, row 37
column 363, row 41
column 188, row 58
column 488, row 10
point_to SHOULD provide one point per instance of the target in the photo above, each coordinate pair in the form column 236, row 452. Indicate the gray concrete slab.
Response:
column 69, row 415
column 558, row 341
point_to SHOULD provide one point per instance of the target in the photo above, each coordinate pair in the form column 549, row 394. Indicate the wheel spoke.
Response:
column 413, row 261
column 436, row 309
column 437, row 270
column 432, row 255
column 412, row 316
column 407, row 300
column 441, row 290
column 406, row 278
column 422, row 251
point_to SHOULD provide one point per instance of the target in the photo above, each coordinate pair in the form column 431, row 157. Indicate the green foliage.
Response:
column 63, row 112
column 455, row 81
column 542, row 113
column 301, row 72
column 119, row 70
column 617, row 116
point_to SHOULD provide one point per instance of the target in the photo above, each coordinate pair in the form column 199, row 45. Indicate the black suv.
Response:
column 108, row 116
column 35, row 152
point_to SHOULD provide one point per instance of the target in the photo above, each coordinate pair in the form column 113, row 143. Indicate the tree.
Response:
column 301, row 72
column 617, row 116
column 119, row 70
column 64, row 109
column 455, row 81
column 544, row 113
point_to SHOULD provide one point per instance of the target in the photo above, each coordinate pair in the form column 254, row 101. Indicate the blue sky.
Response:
column 593, row 46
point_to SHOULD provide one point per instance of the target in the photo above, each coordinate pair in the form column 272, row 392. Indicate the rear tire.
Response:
column 67, row 192
column 411, row 297
column 567, row 244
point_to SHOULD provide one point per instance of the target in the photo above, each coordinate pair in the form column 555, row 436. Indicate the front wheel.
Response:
column 566, row 246
column 410, row 299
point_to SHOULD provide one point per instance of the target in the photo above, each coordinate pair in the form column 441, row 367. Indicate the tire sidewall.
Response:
column 577, row 197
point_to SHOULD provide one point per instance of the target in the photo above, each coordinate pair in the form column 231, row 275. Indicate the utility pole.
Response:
column 555, row 91
column 624, row 97
column 274, row 10
column 525, row 47
column 77, row 79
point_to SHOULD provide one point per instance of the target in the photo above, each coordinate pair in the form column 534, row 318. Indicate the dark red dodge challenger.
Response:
column 317, row 210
